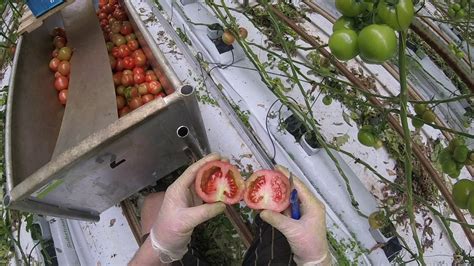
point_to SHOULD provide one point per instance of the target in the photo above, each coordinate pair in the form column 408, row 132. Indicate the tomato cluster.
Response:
column 368, row 137
column 367, row 29
column 264, row 189
column 456, row 50
column 455, row 156
column 228, row 38
column 60, row 64
column 463, row 194
column 135, row 83
column 458, row 10
column 423, row 115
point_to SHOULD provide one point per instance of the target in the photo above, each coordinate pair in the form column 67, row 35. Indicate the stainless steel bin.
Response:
column 106, row 165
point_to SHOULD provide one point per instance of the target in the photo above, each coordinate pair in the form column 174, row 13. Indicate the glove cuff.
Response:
column 166, row 256
column 312, row 263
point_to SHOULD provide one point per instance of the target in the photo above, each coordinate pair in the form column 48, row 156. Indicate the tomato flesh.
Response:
column 219, row 181
column 267, row 189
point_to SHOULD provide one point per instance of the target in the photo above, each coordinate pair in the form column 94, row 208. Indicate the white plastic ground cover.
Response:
column 246, row 90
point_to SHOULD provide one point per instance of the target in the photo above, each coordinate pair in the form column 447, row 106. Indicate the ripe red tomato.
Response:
column 133, row 45
column 147, row 98
column 139, row 78
column 117, row 78
column 150, row 76
column 119, row 66
column 154, row 87
column 142, row 89
column 135, row 102
column 113, row 62
column 61, row 83
column 267, row 189
column 131, row 92
column 127, row 79
column 219, row 181
column 140, row 58
column 119, row 15
column 116, row 52
column 120, row 101
column 64, row 68
column 108, row 8
column 125, row 110
column 59, row 42
column 124, row 51
column 138, row 70
column 126, row 28
column 55, row 53
column 128, row 62
column 103, row 23
column 102, row 15
column 62, row 96
column 53, row 64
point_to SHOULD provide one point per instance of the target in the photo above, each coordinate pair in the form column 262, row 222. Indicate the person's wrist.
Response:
column 166, row 255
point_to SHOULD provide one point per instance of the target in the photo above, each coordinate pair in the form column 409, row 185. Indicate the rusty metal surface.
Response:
column 91, row 97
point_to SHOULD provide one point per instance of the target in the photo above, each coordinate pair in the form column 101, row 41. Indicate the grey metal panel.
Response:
column 91, row 95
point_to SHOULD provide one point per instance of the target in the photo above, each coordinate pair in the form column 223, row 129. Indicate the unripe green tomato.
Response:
column 366, row 138
column 343, row 44
column 444, row 155
column 461, row 191
column 459, row 54
column 460, row 14
column 451, row 12
column 377, row 43
column 429, row 117
column 420, row 108
column 460, row 153
column 350, row 8
column 456, row 7
column 399, row 16
column 343, row 23
column 327, row 100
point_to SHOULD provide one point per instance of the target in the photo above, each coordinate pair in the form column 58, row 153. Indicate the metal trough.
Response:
column 77, row 161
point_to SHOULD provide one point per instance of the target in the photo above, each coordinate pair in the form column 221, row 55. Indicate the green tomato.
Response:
column 455, row 174
column 350, row 8
column 398, row 16
column 470, row 203
column 327, row 100
column 417, row 123
column 456, row 7
column 449, row 167
column 460, row 14
column 460, row 153
column 343, row 44
column 377, row 220
column 461, row 191
column 455, row 143
column 451, row 12
column 420, row 108
column 444, row 155
column 366, row 138
column 429, row 117
column 343, row 23
column 459, row 54
column 377, row 43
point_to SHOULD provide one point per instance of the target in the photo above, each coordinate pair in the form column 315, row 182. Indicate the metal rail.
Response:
column 395, row 124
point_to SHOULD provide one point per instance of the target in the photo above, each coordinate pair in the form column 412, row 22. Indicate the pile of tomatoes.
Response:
column 135, row 83
column 264, row 189
column 463, row 194
column 60, row 64
column 367, row 29
column 459, row 9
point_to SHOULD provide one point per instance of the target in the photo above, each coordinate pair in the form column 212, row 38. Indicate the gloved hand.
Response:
column 306, row 236
column 177, row 218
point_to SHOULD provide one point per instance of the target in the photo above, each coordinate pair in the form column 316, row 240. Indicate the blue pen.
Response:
column 294, row 204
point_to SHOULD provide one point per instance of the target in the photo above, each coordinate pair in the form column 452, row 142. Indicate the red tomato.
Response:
column 126, row 28
column 53, row 64
column 108, row 8
column 132, row 92
column 103, row 23
column 119, row 66
column 154, row 87
column 124, row 51
column 133, row 45
column 267, row 189
column 128, row 62
column 120, row 15
column 64, row 68
column 135, row 102
column 140, row 58
column 62, row 95
column 142, row 89
column 102, row 15
column 124, row 111
column 61, row 83
column 59, row 42
column 219, row 181
column 147, row 98
column 57, row 31
column 116, row 52
column 127, row 79
column 55, row 53
column 57, row 75
column 117, row 78
column 120, row 101
column 150, row 76
column 138, row 70
column 139, row 78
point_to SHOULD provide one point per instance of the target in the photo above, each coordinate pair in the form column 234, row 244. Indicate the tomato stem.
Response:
column 407, row 139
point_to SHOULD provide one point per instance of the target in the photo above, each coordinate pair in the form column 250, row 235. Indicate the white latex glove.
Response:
column 306, row 236
column 177, row 218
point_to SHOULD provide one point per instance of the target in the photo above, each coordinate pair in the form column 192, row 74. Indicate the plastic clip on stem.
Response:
column 294, row 204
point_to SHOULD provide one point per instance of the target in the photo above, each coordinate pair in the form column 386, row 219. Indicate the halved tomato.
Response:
column 267, row 189
column 219, row 181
